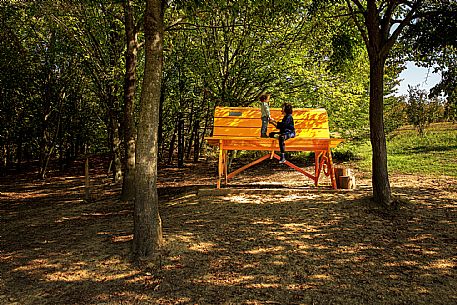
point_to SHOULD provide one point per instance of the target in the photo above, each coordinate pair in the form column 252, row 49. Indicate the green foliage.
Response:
column 344, row 152
column 418, row 109
column 433, row 153
column 234, row 52
column 69, row 66
column 49, row 103
column 346, row 48
column 432, row 41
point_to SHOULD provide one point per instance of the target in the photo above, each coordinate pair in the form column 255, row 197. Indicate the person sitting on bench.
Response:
column 286, row 129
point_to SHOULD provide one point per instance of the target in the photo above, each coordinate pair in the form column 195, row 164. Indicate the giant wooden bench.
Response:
column 238, row 128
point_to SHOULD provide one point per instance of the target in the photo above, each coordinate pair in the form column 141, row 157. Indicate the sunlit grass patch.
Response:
column 434, row 153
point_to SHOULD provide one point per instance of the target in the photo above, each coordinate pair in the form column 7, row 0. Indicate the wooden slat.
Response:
column 255, row 132
column 237, row 112
column 301, row 123
column 248, row 122
column 295, row 144
column 312, row 133
column 236, row 122
column 319, row 114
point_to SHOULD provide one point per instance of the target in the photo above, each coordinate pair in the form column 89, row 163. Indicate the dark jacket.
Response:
column 287, row 125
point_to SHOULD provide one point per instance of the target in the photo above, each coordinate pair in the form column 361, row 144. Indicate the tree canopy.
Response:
column 73, row 70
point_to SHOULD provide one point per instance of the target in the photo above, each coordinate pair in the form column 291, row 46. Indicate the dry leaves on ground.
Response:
column 272, row 239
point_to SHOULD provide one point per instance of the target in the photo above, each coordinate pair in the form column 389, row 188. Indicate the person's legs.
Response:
column 263, row 130
column 282, row 145
column 274, row 134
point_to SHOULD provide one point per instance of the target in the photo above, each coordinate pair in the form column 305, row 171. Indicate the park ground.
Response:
column 272, row 239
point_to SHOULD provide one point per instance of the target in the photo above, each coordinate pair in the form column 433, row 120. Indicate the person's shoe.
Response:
column 264, row 136
column 282, row 160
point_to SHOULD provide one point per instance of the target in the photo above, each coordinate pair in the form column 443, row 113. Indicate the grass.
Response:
column 433, row 153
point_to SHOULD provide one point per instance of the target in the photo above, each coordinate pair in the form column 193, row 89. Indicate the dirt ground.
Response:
column 271, row 238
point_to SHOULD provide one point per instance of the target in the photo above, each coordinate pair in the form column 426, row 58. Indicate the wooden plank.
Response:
column 317, row 115
column 237, row 112
column 295, row 144
column 255, row 132
column 314, row 114
column 237, row 122
column 234, row 131
column 312, row 133
column 256, row 122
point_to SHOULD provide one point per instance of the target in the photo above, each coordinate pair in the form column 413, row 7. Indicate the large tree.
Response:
column 147, row 236
column 380, row 23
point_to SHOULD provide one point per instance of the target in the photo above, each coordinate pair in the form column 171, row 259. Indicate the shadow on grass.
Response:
column 428, row 149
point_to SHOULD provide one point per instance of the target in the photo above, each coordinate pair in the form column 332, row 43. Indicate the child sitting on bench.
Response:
column 286, row 129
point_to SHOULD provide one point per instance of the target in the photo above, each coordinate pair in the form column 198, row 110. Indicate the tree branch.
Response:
column 198, row 26
column 405, row 22
column 353, row 14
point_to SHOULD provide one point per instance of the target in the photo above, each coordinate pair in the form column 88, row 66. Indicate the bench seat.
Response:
column 238, row 128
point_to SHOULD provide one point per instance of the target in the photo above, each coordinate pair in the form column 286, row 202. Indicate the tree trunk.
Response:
column 160, row 128
column 147, row 235
column 128, row 185
column 181, row 142
column 116, row 144
column 19, row 152
column 196, row 142
column 380, row 176
column 171, row 147
column 190, row 130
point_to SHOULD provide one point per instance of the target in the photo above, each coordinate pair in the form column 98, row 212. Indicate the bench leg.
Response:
column 317, row 166
column 220, row 168
column 331, row 169
column 225, row 166
column 324, row 163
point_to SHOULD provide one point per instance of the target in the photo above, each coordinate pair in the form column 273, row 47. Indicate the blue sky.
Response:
column 414, row 76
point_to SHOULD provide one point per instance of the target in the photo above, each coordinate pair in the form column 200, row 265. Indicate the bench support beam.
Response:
column 323, row 163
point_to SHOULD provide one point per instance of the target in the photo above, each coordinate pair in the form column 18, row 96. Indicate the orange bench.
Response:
column 238, row 128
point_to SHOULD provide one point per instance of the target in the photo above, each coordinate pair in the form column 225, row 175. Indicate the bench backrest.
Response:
column 246, row 122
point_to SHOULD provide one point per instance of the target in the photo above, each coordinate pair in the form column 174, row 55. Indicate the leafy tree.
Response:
column 432, row 41
column 96, row 31
column 380, row 23
column 45, row 86
column 417, row 109
column 228, row 54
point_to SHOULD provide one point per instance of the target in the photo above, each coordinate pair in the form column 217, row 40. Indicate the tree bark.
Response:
column 128, row 185
column 116, row 142
column 160, row 128
column 380, row 176
column 147, row 235
column 171, row 147
column 181, row 141
column 378, row 47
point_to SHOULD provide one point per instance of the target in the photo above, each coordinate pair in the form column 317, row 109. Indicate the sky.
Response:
column 414, row 75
